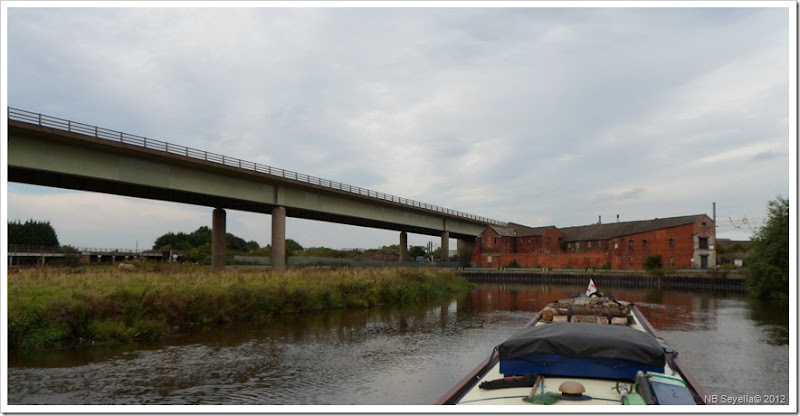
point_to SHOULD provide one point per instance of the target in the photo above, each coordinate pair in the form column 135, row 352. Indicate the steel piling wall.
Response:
column 694, row 281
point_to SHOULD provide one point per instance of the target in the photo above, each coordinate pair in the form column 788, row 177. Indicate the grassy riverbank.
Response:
column 52, row 307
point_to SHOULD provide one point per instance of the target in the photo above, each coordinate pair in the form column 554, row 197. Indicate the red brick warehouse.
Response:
column 685, row 242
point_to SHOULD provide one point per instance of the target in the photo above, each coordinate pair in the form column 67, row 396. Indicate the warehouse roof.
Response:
column 618, row 229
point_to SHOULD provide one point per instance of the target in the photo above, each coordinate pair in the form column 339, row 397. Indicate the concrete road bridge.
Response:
column 55, row 152
column 27, row 254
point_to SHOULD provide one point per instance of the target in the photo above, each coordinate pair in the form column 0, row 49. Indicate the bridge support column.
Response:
column 465, row 249
column 445, row 256
column 278, row 238
column 403, row 246
column 218, row 239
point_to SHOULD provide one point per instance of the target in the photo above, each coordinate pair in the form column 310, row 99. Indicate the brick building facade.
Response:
column 681, row 242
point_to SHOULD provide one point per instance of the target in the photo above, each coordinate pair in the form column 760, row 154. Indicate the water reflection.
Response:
column 400, row 355
column 773, row 318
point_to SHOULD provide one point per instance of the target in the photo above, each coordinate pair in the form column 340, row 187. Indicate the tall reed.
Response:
column 51, row 307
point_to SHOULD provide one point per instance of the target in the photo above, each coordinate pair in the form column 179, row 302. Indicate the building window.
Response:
column 671, row 243
column 703, row 243
column 589, row 244
column 578, row 247
column 630, row 244
column 644, row 243
column 494, row 240
column 547, row 241
column 616, row 245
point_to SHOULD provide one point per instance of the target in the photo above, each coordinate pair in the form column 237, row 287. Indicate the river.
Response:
column 734, row 346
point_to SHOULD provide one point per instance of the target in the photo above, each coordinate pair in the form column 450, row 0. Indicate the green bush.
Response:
column 768, row 262
column 653, row 263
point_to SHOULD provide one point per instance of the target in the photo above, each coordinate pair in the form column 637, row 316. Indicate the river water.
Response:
column 735, row 347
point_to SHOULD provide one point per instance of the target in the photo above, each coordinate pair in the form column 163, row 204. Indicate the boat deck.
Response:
column 598, row 391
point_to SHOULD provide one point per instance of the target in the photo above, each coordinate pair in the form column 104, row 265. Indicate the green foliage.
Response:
column 513, row 264
column 332, row 253
column 416, row 251
column 196, row 246
column 39, row 233
column 292, row 247
column 768, row 263
column 653, row 263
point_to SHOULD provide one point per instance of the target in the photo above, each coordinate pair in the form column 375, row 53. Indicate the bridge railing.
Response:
column 31, row 248
column 27, row 248
column 118, row 136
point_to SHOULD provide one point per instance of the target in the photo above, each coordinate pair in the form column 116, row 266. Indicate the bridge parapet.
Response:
column 38, row 250
column 161, row 146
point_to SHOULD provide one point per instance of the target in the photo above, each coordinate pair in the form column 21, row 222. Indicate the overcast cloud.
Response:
column 540, row 116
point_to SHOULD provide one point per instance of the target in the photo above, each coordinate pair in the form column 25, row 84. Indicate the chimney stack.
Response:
column 617, row 217
column 599, row 219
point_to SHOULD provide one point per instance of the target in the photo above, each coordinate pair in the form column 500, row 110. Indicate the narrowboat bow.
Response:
column 585, row 350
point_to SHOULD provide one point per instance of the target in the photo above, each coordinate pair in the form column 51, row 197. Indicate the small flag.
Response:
column 591, row 289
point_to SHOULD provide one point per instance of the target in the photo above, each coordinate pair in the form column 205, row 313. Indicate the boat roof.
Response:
column 585, row 340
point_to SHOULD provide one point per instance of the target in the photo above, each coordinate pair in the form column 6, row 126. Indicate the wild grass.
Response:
column 51, row 307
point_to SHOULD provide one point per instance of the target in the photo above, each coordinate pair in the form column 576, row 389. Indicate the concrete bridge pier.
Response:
column 403, row 246
column 218, row 239
column 445, row 246
column 465, row 249
column 278, row 255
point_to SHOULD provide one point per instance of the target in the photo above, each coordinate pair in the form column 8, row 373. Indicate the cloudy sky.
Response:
column 536, row 115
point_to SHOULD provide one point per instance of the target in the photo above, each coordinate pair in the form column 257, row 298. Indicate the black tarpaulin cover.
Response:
column 584, row 340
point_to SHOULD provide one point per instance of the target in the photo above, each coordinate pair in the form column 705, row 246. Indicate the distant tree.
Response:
column 235, row 243
column 292, row 247
column 199, row 239
column 31, row 232
column 768, row 263
column 167, row 240
column 416, row 251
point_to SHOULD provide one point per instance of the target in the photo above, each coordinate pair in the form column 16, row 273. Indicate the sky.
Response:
column 536, row 115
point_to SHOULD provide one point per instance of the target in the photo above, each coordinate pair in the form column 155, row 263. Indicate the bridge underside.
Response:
column 82, row 183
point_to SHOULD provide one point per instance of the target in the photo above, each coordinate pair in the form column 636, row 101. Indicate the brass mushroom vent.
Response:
column 571, row 390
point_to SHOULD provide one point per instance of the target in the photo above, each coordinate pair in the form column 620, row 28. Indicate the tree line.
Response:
column 32, row 232
column 196, row 247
